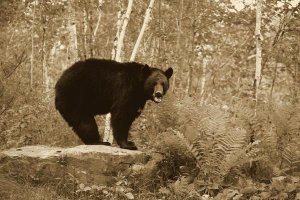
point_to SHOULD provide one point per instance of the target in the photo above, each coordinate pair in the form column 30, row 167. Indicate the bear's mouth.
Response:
column 157, row 93
column 157, row 96
column 157, row 99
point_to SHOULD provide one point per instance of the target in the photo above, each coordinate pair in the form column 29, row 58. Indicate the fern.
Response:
column 216, row 145
column 222, row 140
column 287, row 123
column 291, row 157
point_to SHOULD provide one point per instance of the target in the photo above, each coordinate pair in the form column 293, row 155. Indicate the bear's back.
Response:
column 93, row 84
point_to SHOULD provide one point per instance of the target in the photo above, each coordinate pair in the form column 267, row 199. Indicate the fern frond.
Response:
column 233, row 151
column 215, row 144
column 291, row 156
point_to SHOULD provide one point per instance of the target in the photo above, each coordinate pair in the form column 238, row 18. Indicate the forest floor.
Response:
column 228, row 167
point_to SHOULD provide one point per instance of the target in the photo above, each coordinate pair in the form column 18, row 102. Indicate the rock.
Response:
column 96, row 164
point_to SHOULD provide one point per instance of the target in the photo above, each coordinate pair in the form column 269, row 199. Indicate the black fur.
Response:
column 96, row 87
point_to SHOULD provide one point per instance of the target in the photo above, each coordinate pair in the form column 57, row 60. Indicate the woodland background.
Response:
column 221, row 137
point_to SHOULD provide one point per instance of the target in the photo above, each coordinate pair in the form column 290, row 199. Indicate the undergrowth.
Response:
column 205, row 149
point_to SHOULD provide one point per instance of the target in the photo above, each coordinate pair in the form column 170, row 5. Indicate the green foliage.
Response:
column 224, row 139
column 287, row 123
column 217, row 144
column 34, row 122
column 221, row 131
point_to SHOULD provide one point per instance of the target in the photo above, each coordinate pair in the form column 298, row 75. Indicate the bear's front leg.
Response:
column 121, row 124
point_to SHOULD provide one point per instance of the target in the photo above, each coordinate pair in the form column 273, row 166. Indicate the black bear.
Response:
column 97, row 86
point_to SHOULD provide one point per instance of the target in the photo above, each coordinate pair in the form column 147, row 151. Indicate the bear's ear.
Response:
column 169, row 72
column 146, row 69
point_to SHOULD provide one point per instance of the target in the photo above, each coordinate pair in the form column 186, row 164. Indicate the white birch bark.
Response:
column 191, row 55
column 85, row 27
column 32, row 46
column 258, row 38
column 99, row 19
column 67, row 60
column 188, row 84
column 73, row 47
column 119, row 24
column 144, row 26
column 52, row 52
column 45, row 69
column 116, row 54
column 100, row 3
column 179, row 22
column 203, row 79
column 108, row 135
column 123, row 31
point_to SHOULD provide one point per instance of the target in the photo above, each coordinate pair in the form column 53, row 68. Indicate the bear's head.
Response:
column 156, row 83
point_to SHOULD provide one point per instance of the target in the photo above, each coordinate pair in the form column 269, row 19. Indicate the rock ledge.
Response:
column 85, row 163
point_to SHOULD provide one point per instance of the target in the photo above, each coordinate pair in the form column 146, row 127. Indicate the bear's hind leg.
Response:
column 87, row 131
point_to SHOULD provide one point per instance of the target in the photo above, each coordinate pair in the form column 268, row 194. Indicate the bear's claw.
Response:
column 128, row 145
column 105, row 143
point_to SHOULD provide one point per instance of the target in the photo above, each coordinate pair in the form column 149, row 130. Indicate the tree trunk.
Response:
column 160, row 34
column 85, row 27
column 296, row 84
column 191, row 55
column 123, row 31
column 100, row 3
column 203, row 79
column 119, row 24
column 116, row 55
column 178, row 46
column 32, row 46
column 45, row 68
column 273, row 81
column 145, row 24
column 73, row 47
column 258, row 38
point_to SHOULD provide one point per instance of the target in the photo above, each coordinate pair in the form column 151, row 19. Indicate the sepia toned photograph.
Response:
column 149, row 99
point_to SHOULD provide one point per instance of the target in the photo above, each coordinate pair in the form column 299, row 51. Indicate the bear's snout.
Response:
column 158, row 94
column 157, row 97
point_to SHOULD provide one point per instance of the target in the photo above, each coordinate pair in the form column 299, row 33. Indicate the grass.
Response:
column 11, row 190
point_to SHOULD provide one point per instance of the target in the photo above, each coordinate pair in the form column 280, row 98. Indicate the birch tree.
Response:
column 120, row 40
column 45, row 74
column 100, row 12
column 32, row 45
column 144, row 26
column 178, row 46
column 116, row 54
column 46, row 78
column 73, row 46
column 119, row 24
column 258, row 39
column 85, row 28
column 191, row 55
column 203, row 79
